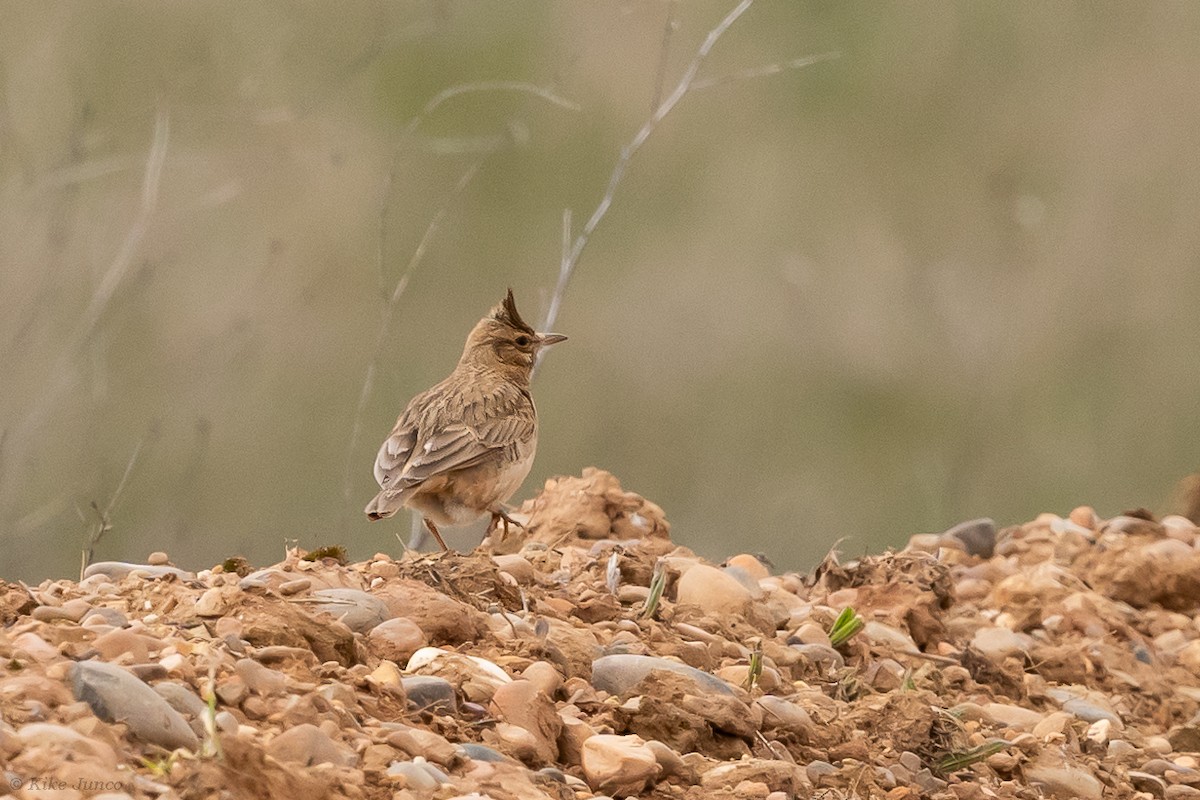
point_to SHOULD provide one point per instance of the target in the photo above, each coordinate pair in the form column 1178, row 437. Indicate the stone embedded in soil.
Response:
column 116, row 695
column 396, row 639
column 443, row 619
column 977, row 536
column 777, row 775
column 116, row 570
column 713, row 590
column 522, row 703
column 618, row 765
column 618, row 674
column 359, row 611
column 428, row 693
column 181, row 698
column 1062, row 780
column 307, row 744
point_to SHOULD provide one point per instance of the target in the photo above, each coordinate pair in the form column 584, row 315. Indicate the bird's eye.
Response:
column 522, row 341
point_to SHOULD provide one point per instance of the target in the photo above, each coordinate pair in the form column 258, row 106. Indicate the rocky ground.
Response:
column 1059, row 658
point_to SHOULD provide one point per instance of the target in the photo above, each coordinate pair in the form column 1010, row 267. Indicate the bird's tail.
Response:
column 384, row 505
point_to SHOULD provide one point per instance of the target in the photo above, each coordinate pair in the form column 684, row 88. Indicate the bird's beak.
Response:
column 551, row 338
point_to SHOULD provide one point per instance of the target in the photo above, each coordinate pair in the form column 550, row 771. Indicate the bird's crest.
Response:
column 506, row 312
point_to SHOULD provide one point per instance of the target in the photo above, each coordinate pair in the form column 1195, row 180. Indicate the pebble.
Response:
column 259, row 679
column 618, row 674
column 713, row 590
column 116, row 570
column 396, row 639
column 999, row 643
column 418, row 774
column 116, row 695
column 517, row 566
column 293, row 587
column 523, row 704
column 481, row 752
column 420, row 742
column 618, row 765
column 42, row 734
column 359, row 611
column 427, row 693
column 544, row 675
column 977, row 536
column 812, row 633
column 751, row 565
column 1064, row 780
column 212, row 603
column 181, row 698
column 307, row 745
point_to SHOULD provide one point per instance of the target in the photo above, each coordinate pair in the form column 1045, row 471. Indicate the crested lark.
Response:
column 462, row 448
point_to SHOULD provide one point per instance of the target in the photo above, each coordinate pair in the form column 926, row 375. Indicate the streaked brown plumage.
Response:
column 462, row 448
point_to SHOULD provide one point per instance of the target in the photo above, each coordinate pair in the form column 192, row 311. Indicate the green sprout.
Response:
column 756, row 667
column 657, row 583
column 953, row 762
column 212, row 741
column 845, row 627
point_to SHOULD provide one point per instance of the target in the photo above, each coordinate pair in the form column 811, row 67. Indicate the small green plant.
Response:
column 161, row 766
column 236, row 565
column 658, row 582
column 756, row 667
column 845, row 627
column 334, row 551
column 212, row 742
column 961, row 759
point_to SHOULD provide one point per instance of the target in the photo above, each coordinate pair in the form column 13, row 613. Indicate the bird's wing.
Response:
column 430, row 440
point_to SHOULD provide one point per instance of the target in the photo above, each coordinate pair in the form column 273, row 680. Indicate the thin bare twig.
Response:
column 686, row 84
column 663, row 57
column 571, row 259
column 765, row 70
column 151, row 181
column 104, row 517
column 428, row 109
column 59, row 377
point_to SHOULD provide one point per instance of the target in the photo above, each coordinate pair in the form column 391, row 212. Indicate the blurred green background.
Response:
column 954, row 272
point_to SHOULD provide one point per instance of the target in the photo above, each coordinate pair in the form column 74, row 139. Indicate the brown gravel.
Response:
column 1060, row 658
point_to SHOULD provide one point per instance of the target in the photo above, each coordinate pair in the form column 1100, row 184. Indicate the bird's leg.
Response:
column 433, row 529
column 498, row 515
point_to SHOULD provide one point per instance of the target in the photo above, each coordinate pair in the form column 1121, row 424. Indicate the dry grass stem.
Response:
column 686, row 83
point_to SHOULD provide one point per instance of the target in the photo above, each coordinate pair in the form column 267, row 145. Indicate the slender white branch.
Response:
column 426, row 111
column 133, row 238
column 765, row 70
column 686, row 84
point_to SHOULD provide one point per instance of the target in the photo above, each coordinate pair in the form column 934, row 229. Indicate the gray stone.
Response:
column 821, row 654
column 421, row 775
column 432, row 694
column 978, row 536
column 116, row 695
column 358, row 610
column 112, row 616
column 481, row 752
column 115, row 570
column 618, row 674
column 307, row 744
column 181, row 698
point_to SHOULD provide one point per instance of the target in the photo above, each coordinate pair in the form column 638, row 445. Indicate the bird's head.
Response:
column 504, row 341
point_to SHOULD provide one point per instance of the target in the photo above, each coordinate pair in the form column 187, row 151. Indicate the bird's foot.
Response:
column 500, row 515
